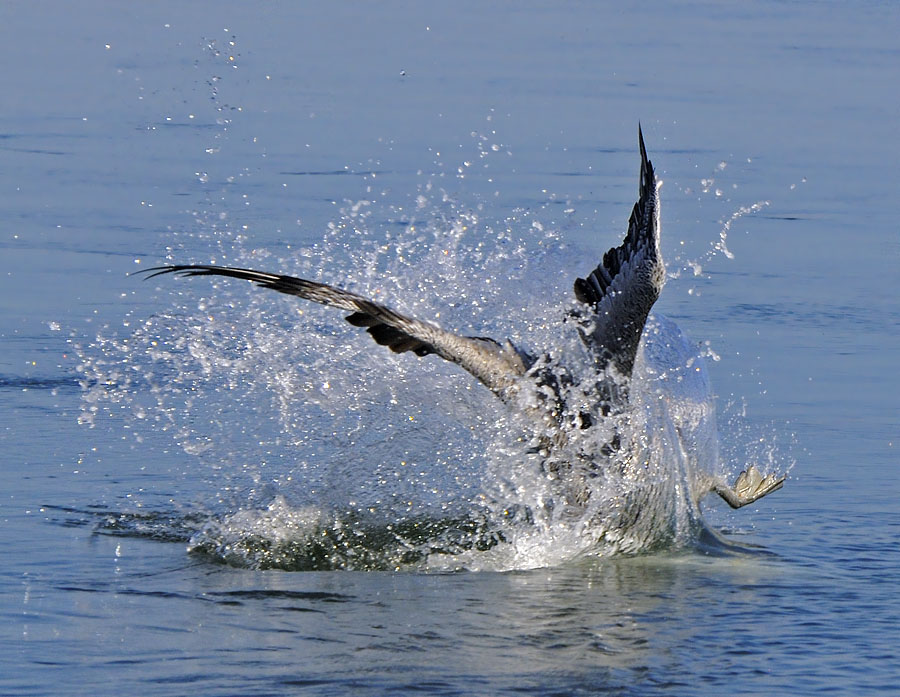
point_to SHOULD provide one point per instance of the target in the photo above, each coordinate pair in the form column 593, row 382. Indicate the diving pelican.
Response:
column 613, row 304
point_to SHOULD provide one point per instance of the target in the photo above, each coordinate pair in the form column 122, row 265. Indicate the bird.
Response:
column 611, row 309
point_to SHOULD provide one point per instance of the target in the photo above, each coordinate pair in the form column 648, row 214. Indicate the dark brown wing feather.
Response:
column 497, row 366
column 626, row 283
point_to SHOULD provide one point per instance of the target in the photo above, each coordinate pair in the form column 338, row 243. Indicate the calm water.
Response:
column 325, row 141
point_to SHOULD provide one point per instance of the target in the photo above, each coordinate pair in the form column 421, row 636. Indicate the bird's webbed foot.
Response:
column 750, row 486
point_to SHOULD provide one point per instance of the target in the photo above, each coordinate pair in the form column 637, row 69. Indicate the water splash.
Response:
column 323, row 451
column 310, row 448
column 721, row 245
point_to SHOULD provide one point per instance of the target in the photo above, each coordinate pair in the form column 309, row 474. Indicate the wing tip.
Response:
column 154, row 271
column 648, row 176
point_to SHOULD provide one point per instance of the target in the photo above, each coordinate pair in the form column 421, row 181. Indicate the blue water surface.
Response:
column 137, row 134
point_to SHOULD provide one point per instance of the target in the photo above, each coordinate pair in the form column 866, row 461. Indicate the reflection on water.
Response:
column 611, row 623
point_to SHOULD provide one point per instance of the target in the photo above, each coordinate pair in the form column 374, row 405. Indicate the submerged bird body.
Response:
column 613, row 305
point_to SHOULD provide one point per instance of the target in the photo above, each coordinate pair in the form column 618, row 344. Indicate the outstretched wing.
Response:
column 494, row 364
column 626, row 283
